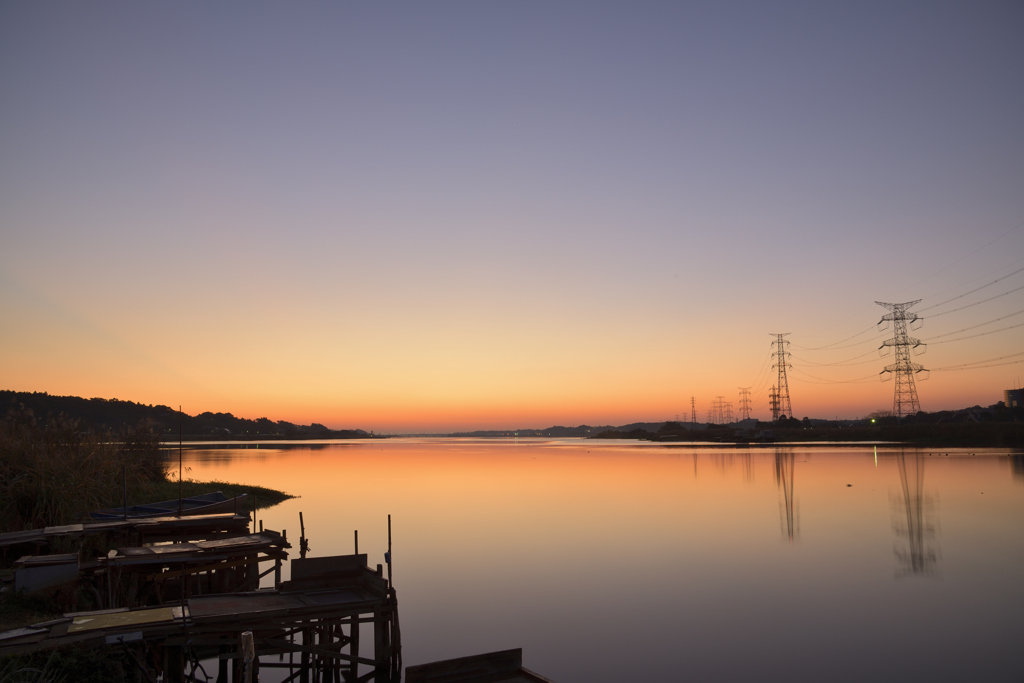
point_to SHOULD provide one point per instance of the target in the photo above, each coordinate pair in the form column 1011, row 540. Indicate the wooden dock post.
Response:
column 380, row 654
column 307, row 638
column 222, row 666
column 388, row 556
column 354, row 646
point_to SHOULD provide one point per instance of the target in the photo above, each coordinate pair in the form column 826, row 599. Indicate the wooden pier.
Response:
column 171, row 606
column 310, row 626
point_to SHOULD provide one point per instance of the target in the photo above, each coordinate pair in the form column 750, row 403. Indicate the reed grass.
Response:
column 52, row 471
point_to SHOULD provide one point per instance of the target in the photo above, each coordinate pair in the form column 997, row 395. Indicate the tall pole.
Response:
column 745, row 402
column 782, row 388
column 179, row 460
column 389, row 551
column 904, row 400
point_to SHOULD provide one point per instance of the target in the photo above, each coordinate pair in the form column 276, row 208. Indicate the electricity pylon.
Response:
column 745, row 402
column 773, row 400
column 693, row 410
column 720, row 412
column 782, row 388
column 904, row 401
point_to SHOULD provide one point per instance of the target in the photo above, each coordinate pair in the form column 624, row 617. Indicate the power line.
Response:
column 980, row 334
column 973, row 327
column 979, row 367
column 839, row 362
column 829, row 346
column 764, row 365
column 823, row 380
column 835, row 346
column 976, row 289
column 976, row 279
column 945, row 268
column 988, row 360
column 1017, row 289
column 845, row 346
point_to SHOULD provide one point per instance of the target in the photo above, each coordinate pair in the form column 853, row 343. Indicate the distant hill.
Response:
column 581, row 431
column 102, row 413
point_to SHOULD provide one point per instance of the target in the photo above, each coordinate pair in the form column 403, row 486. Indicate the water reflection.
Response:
column 748, row 466
column 913, row 511
column 1017, row 465
column 534, row 545
column 785, row 461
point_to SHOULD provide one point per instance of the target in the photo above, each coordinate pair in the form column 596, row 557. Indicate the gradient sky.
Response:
column 478, row 215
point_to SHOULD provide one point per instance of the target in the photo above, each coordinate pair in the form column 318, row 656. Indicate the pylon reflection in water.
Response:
column 913, row 512
column 785, row 460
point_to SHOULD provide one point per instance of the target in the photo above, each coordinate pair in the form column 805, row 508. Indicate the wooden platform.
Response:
column 146, row 529
column 169, row 572
column 313, row 619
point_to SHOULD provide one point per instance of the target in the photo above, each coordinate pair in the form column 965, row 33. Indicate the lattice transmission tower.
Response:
column 693, row 409
column 781, row 405
column 720, row 412
column 745, row 403
column 904, row 400
column 773, row 401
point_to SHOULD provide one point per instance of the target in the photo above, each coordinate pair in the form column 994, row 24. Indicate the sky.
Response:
column 458, row 215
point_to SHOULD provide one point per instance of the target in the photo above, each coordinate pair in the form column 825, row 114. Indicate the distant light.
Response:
column 872, row 419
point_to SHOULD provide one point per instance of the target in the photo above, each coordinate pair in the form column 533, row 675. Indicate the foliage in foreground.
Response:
column 52, row 471
column 81, row 665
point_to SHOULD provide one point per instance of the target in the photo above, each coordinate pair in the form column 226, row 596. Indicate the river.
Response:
column 627, row 561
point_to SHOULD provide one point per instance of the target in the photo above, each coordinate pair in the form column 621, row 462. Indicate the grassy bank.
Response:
column 168, row 490
column 53, row 471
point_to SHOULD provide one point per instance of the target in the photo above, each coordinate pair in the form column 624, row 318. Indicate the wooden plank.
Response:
column 42, row 560
column 20, row 633
column 317, row 567
column 231, row 605
column 123, row 619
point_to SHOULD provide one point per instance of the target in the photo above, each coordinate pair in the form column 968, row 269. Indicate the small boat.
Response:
column 205, row 504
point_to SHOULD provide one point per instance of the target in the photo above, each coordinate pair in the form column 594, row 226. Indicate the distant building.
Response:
column 1013, row 398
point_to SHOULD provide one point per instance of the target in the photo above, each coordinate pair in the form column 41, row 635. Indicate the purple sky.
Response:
column 582, row 212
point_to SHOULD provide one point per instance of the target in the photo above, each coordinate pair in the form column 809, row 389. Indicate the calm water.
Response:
column 621, row 562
